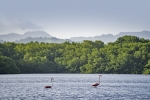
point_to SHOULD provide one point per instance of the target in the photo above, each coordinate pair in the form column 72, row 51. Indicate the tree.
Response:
column 8, row 66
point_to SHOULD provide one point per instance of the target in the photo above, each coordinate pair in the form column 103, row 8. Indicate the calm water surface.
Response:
column 74, row 87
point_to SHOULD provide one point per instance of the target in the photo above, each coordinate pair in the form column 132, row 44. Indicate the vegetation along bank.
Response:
column 127, row 55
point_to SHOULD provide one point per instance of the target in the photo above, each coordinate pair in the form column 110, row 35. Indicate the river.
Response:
column 74, row 87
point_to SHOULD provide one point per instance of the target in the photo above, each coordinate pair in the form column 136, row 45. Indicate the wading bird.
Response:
column 48, row 85
column 96, row 84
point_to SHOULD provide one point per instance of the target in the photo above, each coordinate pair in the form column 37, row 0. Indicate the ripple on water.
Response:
column 74, row 87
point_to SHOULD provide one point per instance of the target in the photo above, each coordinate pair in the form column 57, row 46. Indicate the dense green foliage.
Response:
column 8, row 66
column 127, row 55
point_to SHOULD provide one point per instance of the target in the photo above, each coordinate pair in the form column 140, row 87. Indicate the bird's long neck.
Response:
column 99, row 79
column 52, row 82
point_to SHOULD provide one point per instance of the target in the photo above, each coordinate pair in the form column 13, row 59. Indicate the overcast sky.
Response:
column 70, row 18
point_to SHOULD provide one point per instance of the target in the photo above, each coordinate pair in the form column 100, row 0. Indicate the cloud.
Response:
column 19, row 26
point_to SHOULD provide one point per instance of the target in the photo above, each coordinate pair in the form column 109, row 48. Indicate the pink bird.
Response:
column 96, row 84
column 48, row 85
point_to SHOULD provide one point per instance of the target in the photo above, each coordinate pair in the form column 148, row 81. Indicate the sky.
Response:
column 74, row 18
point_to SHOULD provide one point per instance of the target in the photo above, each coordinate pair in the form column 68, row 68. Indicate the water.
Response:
column 74, row 87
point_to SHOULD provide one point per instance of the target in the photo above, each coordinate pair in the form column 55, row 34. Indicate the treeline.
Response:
column 42, row 39
column 127, row 55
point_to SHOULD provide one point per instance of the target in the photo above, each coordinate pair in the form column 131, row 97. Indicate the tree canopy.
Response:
column 127, row 55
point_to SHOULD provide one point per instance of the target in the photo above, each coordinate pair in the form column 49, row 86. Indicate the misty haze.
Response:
column 74, row 49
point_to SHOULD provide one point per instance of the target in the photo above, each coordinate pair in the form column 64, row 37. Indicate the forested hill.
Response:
column 111, row 38
column 126, row 55
column 12, row 37
column 42, row 36
column 43, row 39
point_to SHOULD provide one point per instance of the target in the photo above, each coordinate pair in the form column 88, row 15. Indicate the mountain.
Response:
column 42, row 39
column 11, row 37
column 1, row 41
column 143, row 34
column 111, row 38
column 36, row 34
column 42, row 36
column 104, row 38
